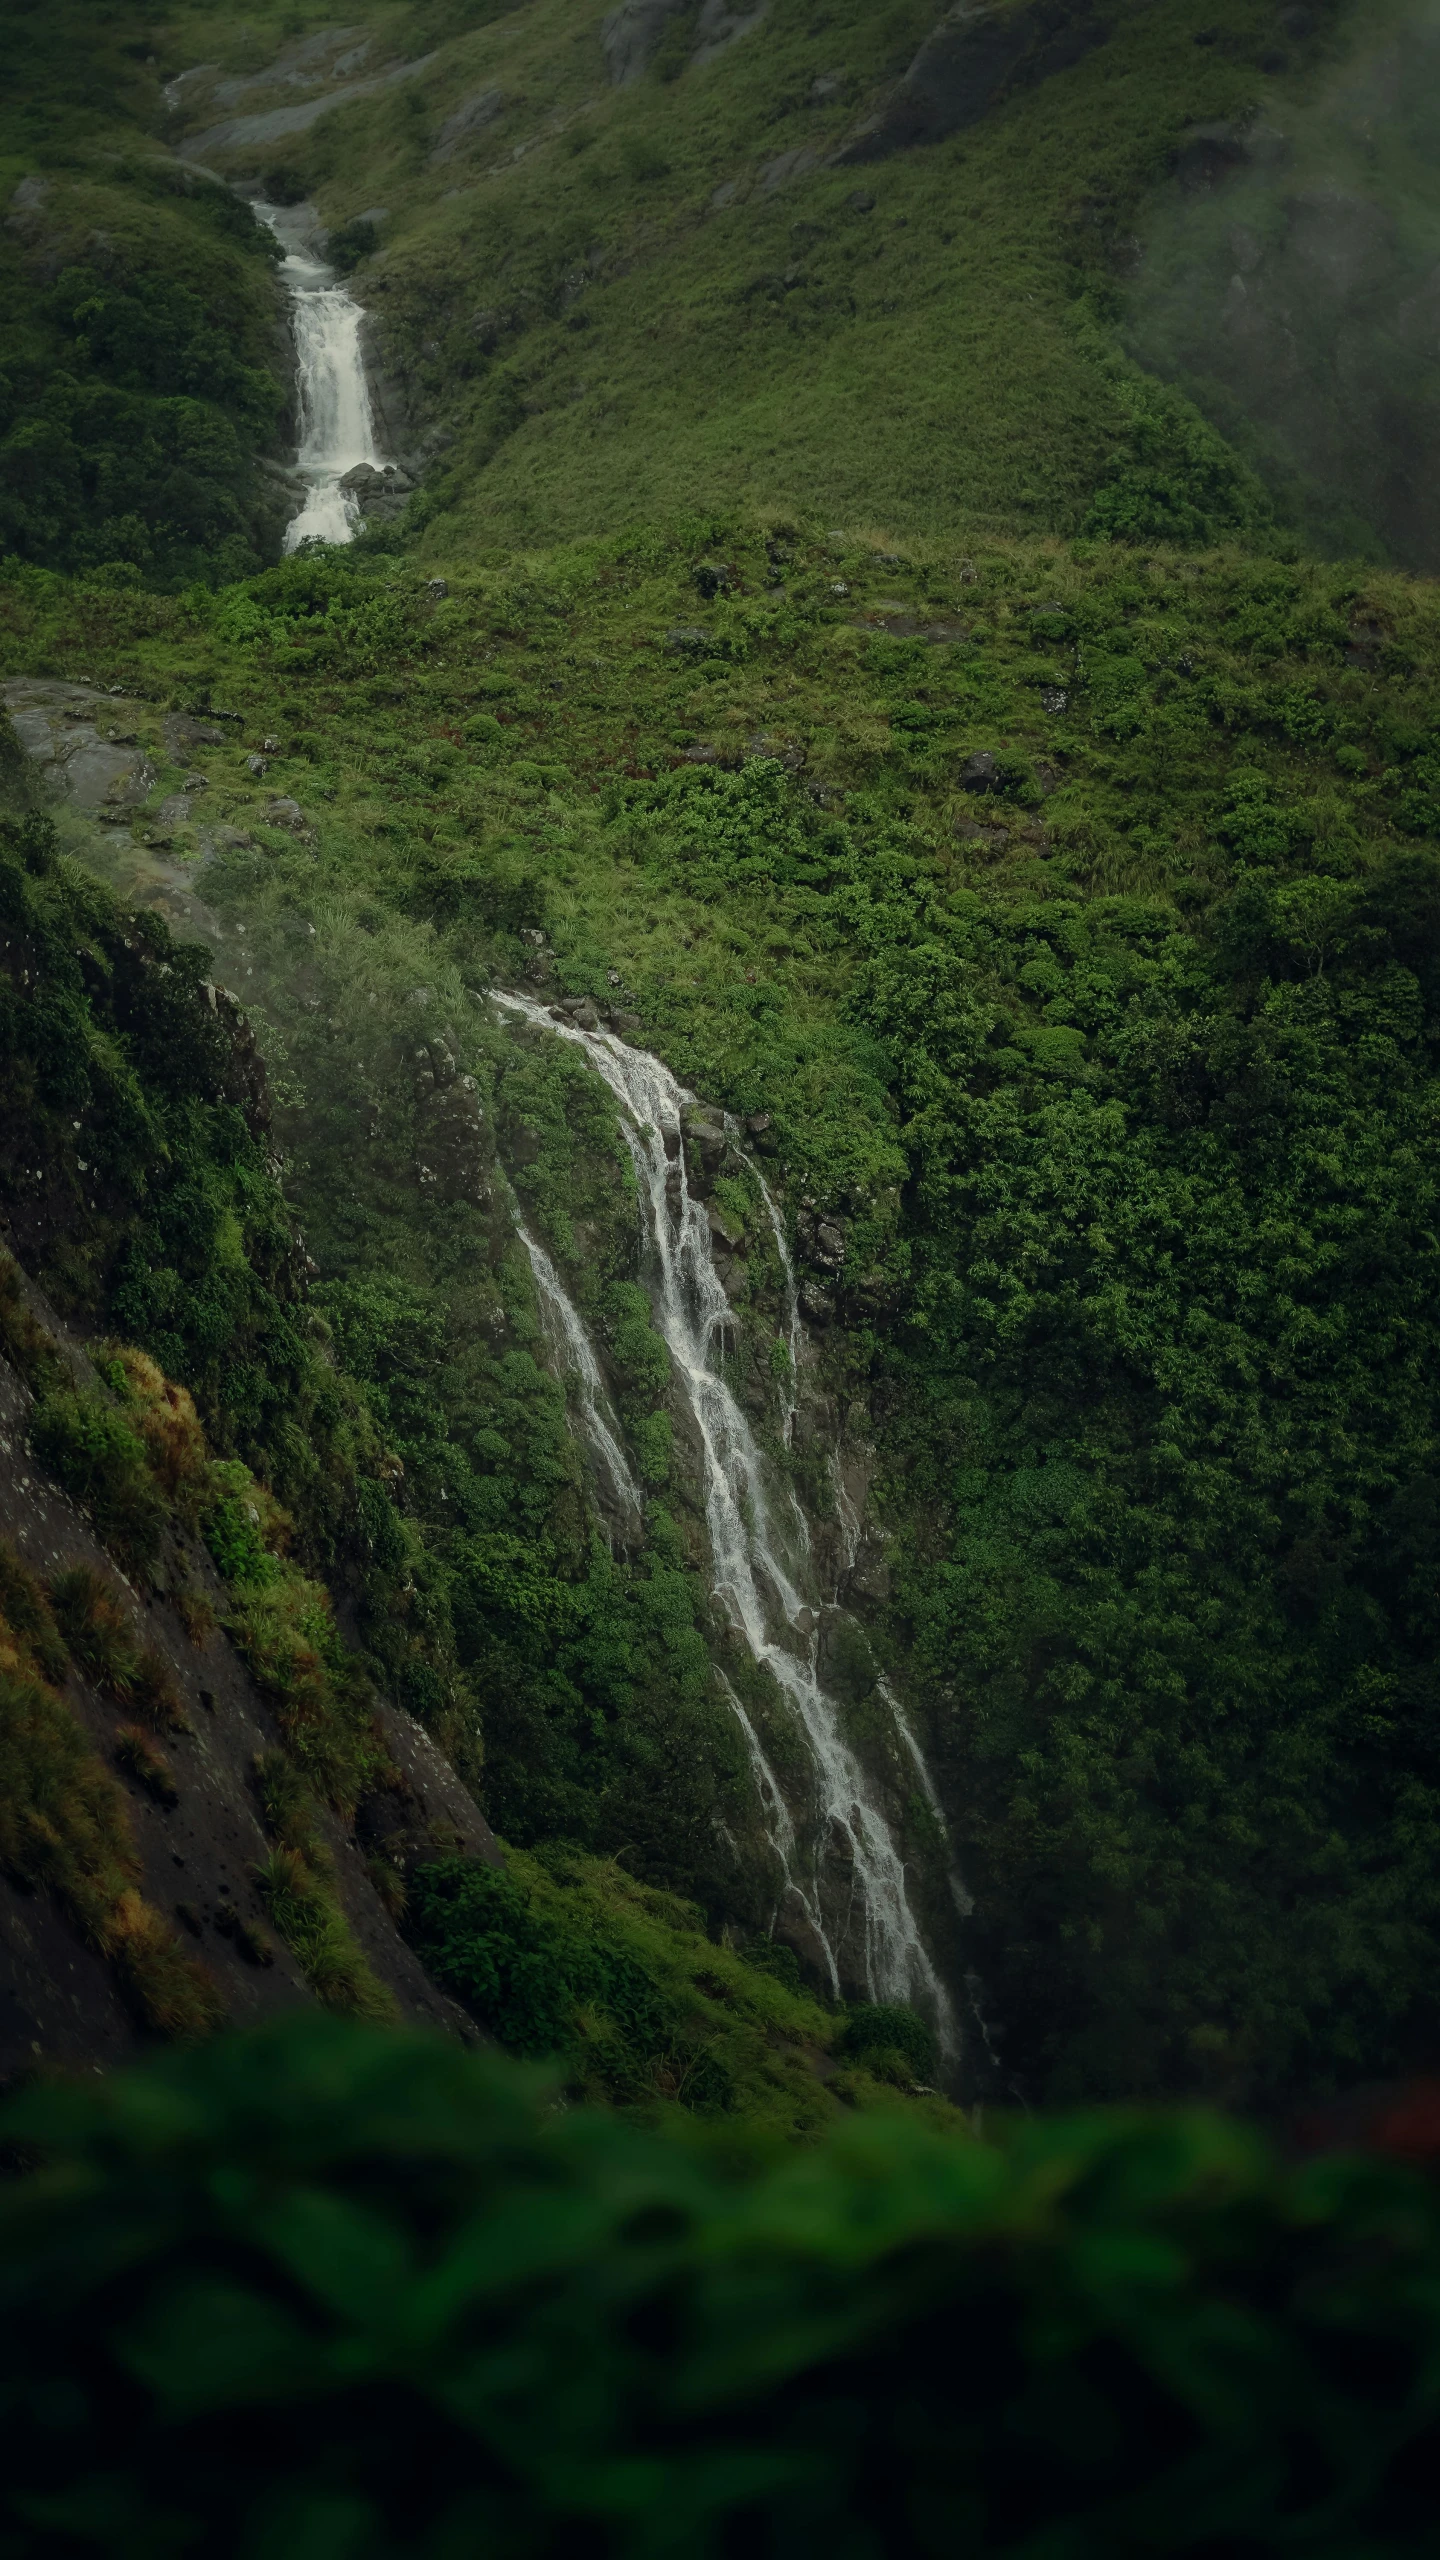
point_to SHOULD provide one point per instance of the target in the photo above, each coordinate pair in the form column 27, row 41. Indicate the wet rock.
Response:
column 817, row 1306
column 870, row 1579
column 373, row 484
column 980, row 772
column 582, row 1012
column 707, row 1144
column 627, row 1024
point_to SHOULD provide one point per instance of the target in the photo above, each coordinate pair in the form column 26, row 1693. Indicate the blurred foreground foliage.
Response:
column 320, row 2290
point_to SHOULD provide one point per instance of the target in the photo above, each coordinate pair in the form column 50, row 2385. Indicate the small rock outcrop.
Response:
column 632, row 32
column 966, row 63
column 470, row 119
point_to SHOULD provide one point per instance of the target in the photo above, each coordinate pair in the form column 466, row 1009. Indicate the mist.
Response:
column 1288, row 279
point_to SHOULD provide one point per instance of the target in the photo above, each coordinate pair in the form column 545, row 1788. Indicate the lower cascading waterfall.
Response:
column 571, row 1346
column 871, row 1919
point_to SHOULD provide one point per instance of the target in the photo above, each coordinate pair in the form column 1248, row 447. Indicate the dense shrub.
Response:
column 324, row 2289
column 527, row 1973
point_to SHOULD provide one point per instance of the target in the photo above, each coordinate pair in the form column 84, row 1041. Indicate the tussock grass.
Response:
column 64, row 1823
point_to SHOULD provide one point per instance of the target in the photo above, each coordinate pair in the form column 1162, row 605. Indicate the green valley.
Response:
column 818, row 624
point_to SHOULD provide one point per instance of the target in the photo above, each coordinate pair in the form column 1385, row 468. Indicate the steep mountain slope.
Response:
column 884, row 264
column 1045, row 894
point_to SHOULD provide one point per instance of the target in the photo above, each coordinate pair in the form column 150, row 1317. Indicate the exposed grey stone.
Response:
column 284, row 813
column 980, row 772
column 472, row 117
column 687, row 638
column 978, row 49
column 631, row 32
column 276, row 124
column 59, row 726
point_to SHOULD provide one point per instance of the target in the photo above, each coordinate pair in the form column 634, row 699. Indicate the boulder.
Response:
column 816, row 1304
column 687, row 640
column 980, row 772
column 725, row 1232
column 284, row 813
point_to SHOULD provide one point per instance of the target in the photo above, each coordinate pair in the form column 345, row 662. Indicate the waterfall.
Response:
column 964, row 1902
column 869, row 1930
column 337, row 430
column 570, row 1344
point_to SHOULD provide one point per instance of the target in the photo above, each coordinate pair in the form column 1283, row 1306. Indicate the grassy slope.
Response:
column 928, row 362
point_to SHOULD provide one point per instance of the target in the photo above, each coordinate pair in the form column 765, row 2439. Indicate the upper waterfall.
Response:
column 337, row 426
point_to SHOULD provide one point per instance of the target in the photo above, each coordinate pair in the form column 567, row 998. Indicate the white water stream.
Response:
column 867, row 1924
column 570, row 1344
column 337, row 426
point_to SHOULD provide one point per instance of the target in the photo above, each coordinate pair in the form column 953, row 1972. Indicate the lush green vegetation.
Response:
column 368, row 2292
column 106, row 1028
column 1117, row 1063
column 1050, row 856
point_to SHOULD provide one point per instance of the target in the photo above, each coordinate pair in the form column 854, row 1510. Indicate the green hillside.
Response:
column 1005, row 774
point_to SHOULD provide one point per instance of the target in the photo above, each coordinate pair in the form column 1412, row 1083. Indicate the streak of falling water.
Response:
column 779, row 1828
column 337, row 427
column 752, row 1581
column 964, row 1902
column 791, row 1395
column 570, row 1344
